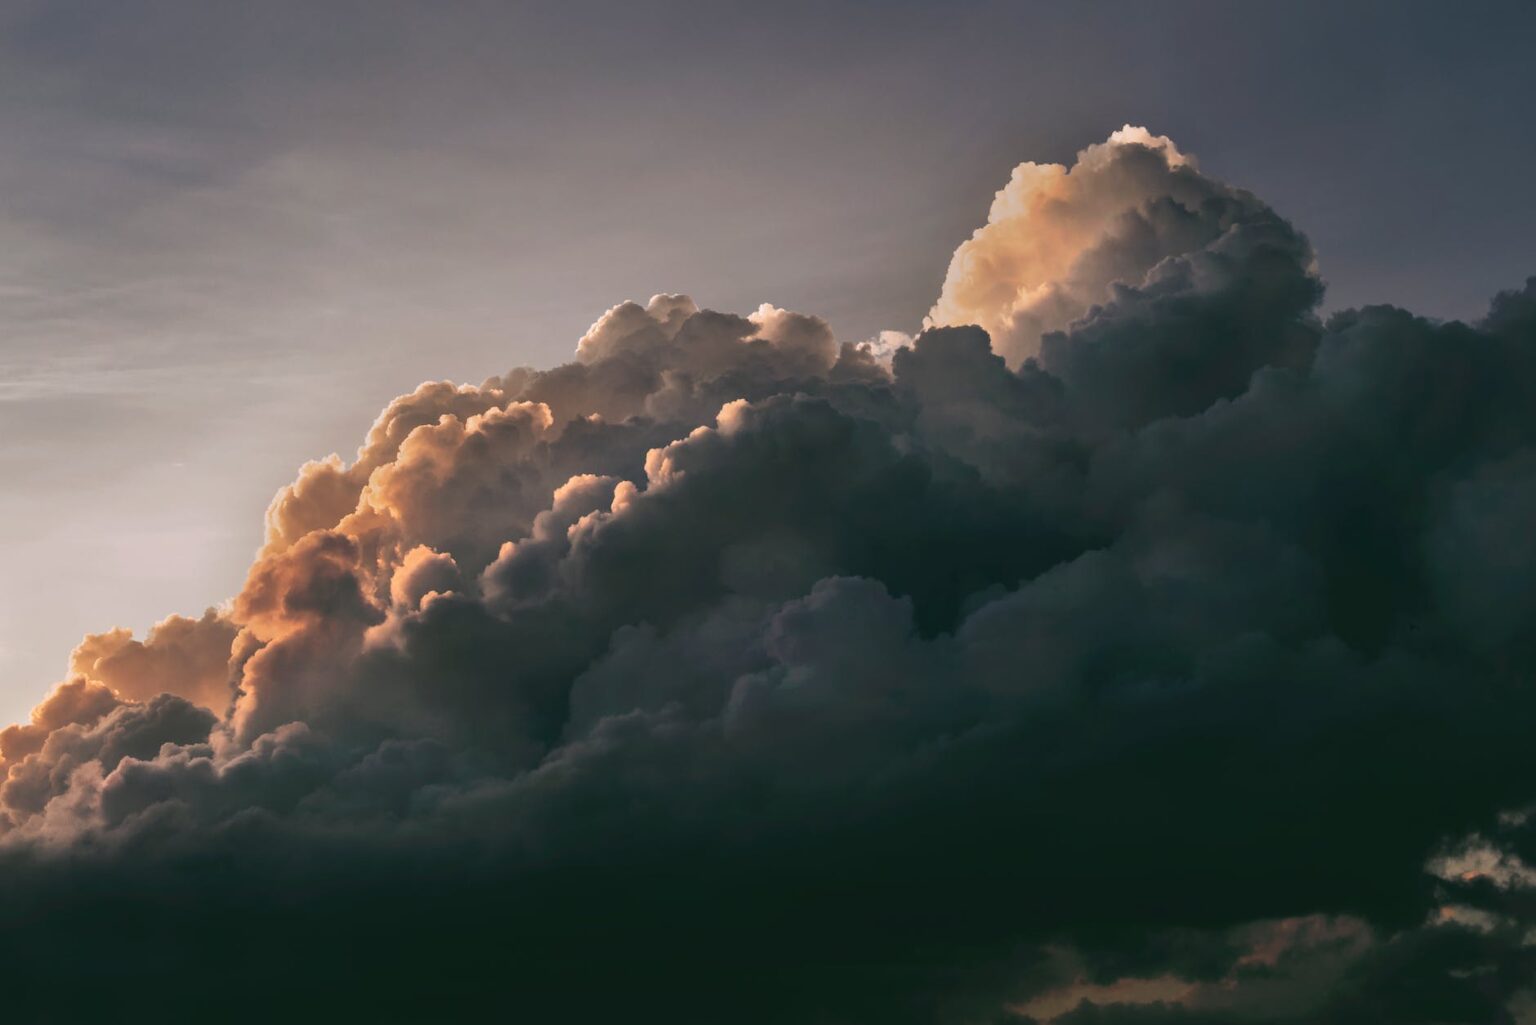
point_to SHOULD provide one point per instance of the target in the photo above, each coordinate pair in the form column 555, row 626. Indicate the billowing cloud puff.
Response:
column 1153, row 652
column 1132, row 223
column 186, row 657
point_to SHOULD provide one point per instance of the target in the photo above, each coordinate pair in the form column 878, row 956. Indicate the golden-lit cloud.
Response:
column 1059, row 239
column 1034, row 669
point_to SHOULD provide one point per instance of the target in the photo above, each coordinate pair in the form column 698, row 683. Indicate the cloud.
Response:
column 1132, row 222
column 181, row 656
column 1147, row 659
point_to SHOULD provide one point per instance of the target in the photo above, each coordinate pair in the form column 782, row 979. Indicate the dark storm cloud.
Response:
column 728, row 673
column 247, row 217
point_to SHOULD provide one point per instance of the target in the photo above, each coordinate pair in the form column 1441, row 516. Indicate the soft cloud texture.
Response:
column 1157, row 657
column 1133, row 221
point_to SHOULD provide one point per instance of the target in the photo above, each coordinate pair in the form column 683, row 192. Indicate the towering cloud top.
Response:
column 1133, row 216
column 1153, row 643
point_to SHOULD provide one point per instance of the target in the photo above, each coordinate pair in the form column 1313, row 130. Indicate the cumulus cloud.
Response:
column 1152, row 651
column 1131, row 223
column 186, row 657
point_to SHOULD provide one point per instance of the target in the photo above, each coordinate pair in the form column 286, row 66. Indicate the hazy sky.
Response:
column 233, row 230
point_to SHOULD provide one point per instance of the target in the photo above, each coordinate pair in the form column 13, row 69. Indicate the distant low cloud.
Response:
column 1151, row 652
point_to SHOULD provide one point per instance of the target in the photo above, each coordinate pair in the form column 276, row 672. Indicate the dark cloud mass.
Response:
column 1168, row 664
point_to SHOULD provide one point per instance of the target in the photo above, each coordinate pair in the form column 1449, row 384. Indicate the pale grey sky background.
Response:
column 233, row 230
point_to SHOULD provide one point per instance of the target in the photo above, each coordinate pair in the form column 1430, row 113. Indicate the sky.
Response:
column 843, row 514
column 233, row 230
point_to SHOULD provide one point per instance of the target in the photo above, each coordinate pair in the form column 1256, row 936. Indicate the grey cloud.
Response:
column 731, row 672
